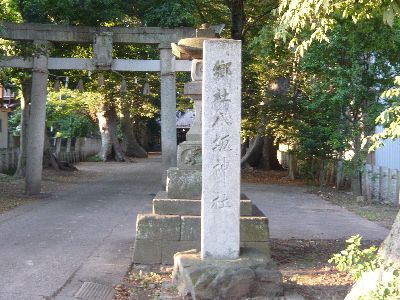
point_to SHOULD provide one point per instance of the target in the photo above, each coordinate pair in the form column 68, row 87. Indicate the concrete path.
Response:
column 85, row 233
column 295, row 213
column 50, row 247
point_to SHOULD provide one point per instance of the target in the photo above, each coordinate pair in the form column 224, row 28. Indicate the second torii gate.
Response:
column 102, row 39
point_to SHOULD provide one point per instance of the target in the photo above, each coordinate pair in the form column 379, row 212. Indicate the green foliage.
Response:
column 14, row 122
column 172, row 13
column 76, row 12
column 389, row 290
column 9, row 11
column 94, row 158
column 352, row 70
column 305, row 21
column 356, row 260
column 302, row 22
column 68, row 114
column 332, row 97
column 359, row 261
column 389, row 119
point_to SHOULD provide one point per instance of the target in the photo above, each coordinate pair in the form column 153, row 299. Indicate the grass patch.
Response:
column 93, row 158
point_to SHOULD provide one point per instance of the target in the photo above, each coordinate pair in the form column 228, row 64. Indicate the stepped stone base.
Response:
column 175, row 226
column 164, row 205
column 251, row 275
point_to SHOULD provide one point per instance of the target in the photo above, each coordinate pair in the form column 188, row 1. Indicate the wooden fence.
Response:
column 71, row 153
column 71, row 157
column 381, row 184
column 8, row 159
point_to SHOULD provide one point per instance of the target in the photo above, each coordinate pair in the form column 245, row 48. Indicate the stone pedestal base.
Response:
column 175, row 226
column 252, row 274
column 164, row 205
column 183, row 183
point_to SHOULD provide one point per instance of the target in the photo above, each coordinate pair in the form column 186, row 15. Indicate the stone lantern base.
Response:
column 251, row 275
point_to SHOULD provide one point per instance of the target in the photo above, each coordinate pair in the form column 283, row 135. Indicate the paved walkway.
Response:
column 295, row 213
column 50, row 247
column 85, row 233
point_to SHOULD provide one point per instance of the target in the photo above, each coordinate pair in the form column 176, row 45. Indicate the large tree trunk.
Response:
column 110, row 146
column 238, row 18
column 49, row 160
column 390, row 252
column 133, row 147
column 25, row 100
column 269, row 157
column 262, row 154
column 254, row 152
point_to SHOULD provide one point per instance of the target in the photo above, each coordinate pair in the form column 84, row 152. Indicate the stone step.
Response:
column 159, row 237
column 162, row 205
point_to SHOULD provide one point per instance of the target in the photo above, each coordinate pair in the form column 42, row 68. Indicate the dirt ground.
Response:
column 380, row 213
column 303, row 263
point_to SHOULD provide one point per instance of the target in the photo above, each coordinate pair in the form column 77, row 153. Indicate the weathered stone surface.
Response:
column 156, row 227
column 147, row 252
column 246, row 206
column 164, row 206
column 220, row 236
column 193, row 90
column 168, row 109
column 102, row 50
column 189, row 155
column 36, row 122
column 263, row 247
column 172, row 233
column 190, row 228
column 169, row 248
column 183, row 184
column 196, row 73
column 84, row 34
column 254, row 229
column 177, row 207
column 250, row 275
column 268, row 281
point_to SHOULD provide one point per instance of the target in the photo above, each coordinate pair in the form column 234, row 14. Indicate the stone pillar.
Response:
column 36, row 125
column 184, row 182
column 220, row 203
column 193, row 90
column 168, row 109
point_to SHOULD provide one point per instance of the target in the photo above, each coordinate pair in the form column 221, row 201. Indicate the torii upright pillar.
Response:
column 168, row 109
column 37, row 119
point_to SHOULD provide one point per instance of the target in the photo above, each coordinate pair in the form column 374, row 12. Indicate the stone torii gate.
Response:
column 103, row 39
